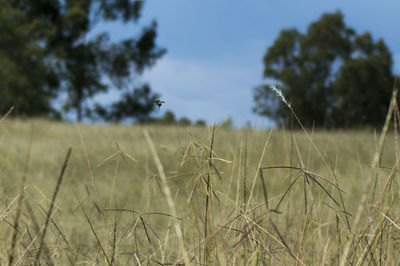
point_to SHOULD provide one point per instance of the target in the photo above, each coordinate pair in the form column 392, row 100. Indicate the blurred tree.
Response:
column 138, row 103
column 200, row 123
column 331, row 76
column 365, row 84
column 169, row 118
column 184, row 122
column 26, row 81
column 87, row 64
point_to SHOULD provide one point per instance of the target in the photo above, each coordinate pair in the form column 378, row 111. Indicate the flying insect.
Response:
column 159, row 103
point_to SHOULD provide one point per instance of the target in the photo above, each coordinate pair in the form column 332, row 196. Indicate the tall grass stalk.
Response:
column 208, row 200
column 168, row 196
column 279, row 93
column 89, row 164
column 36, row 262
column 378, row 154
column 258, row 167
column 20, row 199
column 113, row 183
column 7, row 114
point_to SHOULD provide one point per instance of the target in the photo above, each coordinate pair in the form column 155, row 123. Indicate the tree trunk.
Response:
column 78, row 105
column 79, row 111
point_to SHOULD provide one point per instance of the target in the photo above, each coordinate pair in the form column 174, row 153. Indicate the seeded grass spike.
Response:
column 278, row 93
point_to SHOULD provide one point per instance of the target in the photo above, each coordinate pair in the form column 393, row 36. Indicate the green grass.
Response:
column 111, row 207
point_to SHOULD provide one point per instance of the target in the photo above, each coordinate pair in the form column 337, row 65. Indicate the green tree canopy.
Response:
column 137, row 103
column 331, row 76
column 200, row 123
column 57, row 48
column 26, row 81
column 184, row 121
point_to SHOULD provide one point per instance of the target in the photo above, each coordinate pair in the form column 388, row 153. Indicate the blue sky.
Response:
column 215, row 48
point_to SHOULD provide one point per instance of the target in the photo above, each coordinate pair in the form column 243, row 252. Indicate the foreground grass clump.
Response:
column 151, row 195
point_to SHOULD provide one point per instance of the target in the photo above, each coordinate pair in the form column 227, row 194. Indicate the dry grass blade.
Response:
column 33, row 217
column 189, row 200
column 145, row 229
column 369, row 244
column 148, row 224
column 244, row 236
column 321, row 156
column 376, row 160
column 339, row 237
column 96, row 236
column 356, row 223
column 168, row 195
column 52, row 205
column 87, row 160
column 264, row 189
column 123, row 154
column 113, row 257
column 232, row 220
column 284, row 242
column 305, row 172
column 63, row 237
column 120, row 152
column 221, row 160
column 212, row 190
column 146, row 213
column 337, row 211
column 304, row 233
column 324, row 189
column 390, row 220
column 107, row 159
column 114, row 181
column 36, row 227
column 20, row 198
column 272, row 223
column 208, row 158
column 307, row 175
column 129, row 156
column 305, row 181
column 216, row 171
column 208, row 194
column 258, row 167
column 245, row 169
column 286, row 192
column 28, row 248
column 7, row 114
column 55, row 226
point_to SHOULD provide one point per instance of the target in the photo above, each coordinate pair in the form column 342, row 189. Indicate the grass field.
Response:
column 159, row 195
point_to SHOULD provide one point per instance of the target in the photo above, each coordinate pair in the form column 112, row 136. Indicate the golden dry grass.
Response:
column 112, row 206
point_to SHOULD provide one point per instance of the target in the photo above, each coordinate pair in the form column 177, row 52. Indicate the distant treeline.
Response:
column 169, row 119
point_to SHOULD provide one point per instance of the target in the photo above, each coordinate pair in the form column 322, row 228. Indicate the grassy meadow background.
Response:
column 112, row 206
